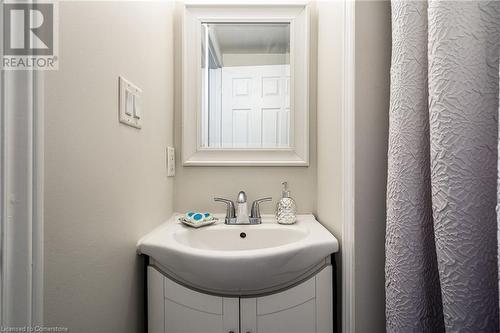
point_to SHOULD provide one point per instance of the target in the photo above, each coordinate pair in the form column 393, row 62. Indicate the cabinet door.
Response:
column 306, row 308
column 186, row 311
column 156, row 302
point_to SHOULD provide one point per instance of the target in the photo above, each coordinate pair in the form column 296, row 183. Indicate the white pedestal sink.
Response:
column 239, row 259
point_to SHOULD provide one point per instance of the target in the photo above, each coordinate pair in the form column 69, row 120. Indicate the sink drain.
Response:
column 243, row 235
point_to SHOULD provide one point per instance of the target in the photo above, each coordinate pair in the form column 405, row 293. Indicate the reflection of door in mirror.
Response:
column 245, row 85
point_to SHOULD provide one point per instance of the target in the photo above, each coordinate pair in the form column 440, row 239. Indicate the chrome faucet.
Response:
column 242, row 212
column 240, row 216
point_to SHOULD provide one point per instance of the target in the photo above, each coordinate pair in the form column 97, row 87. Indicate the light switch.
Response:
column 130, row 111
column 137, row 107
column 170, row 161
column 129, row 106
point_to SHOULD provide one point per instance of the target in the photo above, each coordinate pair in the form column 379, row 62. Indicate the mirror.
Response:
column 245, row 85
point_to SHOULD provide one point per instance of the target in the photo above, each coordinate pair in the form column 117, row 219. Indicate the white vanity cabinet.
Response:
column 173, row 308
column 304, row 308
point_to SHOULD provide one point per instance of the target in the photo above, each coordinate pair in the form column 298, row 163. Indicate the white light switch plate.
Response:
column 170, row 161
column 129, row 103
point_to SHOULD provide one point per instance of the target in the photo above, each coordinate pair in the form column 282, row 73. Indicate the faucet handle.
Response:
column 230, row 211
column 255, row 211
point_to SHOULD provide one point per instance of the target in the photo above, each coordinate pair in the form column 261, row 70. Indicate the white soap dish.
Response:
column 198, row 223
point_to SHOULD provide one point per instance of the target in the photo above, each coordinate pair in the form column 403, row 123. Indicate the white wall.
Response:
column 329, row 132
column 105, row 183
column 373, row 56
column 255, row 59
column 330, row 18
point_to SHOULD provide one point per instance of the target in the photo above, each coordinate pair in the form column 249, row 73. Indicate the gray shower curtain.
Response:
column 441, row 237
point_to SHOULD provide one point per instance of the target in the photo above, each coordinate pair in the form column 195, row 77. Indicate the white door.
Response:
column 173, row 308
column 306, row 308
column 255, row 106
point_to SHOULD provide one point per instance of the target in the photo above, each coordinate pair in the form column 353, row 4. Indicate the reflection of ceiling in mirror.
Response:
column 252, row 38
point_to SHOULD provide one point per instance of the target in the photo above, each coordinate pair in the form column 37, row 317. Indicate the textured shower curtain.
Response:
column 441, row 237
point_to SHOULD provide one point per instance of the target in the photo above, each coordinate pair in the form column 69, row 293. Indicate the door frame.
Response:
column 348, row 171
column 21, row 197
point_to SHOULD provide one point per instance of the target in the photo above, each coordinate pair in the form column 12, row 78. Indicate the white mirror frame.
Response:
column 193, row 154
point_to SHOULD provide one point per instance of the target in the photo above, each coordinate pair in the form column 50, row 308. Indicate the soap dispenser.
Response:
column 286, row 209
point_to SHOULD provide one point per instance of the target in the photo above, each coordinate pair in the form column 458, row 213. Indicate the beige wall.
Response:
column 373, row 56
column 105, row 183
column 329, row 131
column 330, row 95
column 195, row 187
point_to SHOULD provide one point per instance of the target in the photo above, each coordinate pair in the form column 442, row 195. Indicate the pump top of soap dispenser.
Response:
column 285, row 192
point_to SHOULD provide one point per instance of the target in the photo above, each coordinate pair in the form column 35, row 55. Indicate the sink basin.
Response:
column 239, row 259
column 231, row 239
